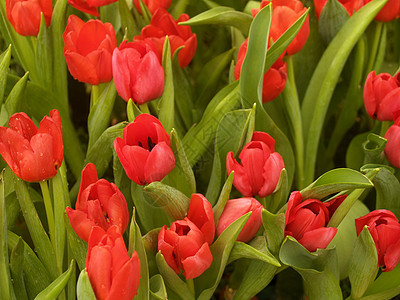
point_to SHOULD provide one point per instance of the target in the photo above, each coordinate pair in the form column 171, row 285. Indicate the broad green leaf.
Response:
column 78, row 247
column 16, row 267
column 4, row 66
column 127, row 21
column 333, row 17
column 15, row 98
column 145, row 12
column 274, row 229
column 84, row 290
column 334, row 181
column 179, row 8
column 223, row 198
column 222, row 15
column 110, row 13
column 355, row 152
column 215, row 180
column 373, row 149
column 43, row 54
column 56, row 287
column 157, row 288
column 386, row 286
column 363, row 265
column 281, row 193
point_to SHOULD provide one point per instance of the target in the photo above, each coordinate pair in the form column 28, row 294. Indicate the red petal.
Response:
column 160, row 162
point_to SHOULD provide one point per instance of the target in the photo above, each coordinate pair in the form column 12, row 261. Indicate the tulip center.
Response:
column 150, row 144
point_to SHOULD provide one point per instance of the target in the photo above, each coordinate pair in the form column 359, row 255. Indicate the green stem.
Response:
column 49, row 209
column 145, row 108
column 384, row 127
column 291, row 76
column 190, row 285
column 94, row 95
column 375, row 45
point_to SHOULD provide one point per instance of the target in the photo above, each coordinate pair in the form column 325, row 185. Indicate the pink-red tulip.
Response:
column 393, row 142
column 184, row 248
column 112, row 273
column 25, row 15
column 350, row 5
column 144, row 150
column 152, row 5
column 163, row 24
column 385, row 230
column 100, row 203
column 201, row 214
column 306, row 221
column 236, row 208
column 260, row 166
column 32, row 153
column 382, row 95
column 137, row 71
column 88, row 49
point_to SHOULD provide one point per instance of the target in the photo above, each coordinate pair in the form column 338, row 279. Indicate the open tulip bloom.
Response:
column 195, row 150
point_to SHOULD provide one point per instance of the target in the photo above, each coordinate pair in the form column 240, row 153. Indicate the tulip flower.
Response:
column 25, row 15
column 137, row 71
column 89, row 6
column 350, row 5
column 381, row 96
column 144, row 150
column 260, row 166
column 152, row 5
column 163, row 24
column 184, row 248
column 32, row 153
column 112, row 273
column 393, row 142
column 100, row 203
column 389, row 12
column 201, row 214
column 88, row 50
column 385, row 231
column 306, row 221
column 236, row 208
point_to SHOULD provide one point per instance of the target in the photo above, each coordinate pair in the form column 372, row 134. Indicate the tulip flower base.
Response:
column 194, row 150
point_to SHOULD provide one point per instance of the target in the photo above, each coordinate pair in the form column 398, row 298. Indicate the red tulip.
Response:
column 306, row 221
column 144, row 150
column 350, row 5
column 393, row 142
column 137, row 71
column 382, row 96
column 34, row 154
column 112, row 274
column 88, row 49
column 389, row 12
column 184, row 248
column 152, row 5
column 100, row 203
column 385, row 230
column 260, row 168
column 162, row 24
column 89, row 6
column 25, row 15
column 236, row 208
column 201, row 214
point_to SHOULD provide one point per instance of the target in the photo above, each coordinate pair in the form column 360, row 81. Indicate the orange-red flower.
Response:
column 152, row 5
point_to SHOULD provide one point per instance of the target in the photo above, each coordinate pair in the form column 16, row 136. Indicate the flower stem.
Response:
column 49, row 209
column 145, row 108
column 94, row 95
column 190, row 284
column 384, row 127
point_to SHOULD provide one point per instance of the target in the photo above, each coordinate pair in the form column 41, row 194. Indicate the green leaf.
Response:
column 281, row 193
column 132, row 111
column 274, row 229
column 374, row 149
column 16, row 267
column 325, row 78
column 363, row 265
column 172, row 201
column 334, row 181
column 215, row 180
column 223, row 198
column 84, row 290
column 207, row 282
column 172, row 279
column 59, row 224
column 157, row 288
column 16, row 96
column 222, row 15
column 110, row 13
column 56, row 287
column 355, row 153
column 127, row 21
column 386, row 286
column 78, row 247
column 4, row 67
column 333, row 17
column 43, row 54
column 145, row 12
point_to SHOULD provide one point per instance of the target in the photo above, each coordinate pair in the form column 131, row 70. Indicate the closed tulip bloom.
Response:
column 385, row 231
column 88, row 49
column 137, row 71
column 100, row 203
column 112, row 273
column 393, row 142
column 202, row 215
column 32, row 153
column 89, row 6
column 25, row 15
column 236, row 208
column 381, row 96
column 350, row 5
column 389, row 12
column 152, row 5
column 306, row 221
column 144, row 150
column 260, row 166
column 185, row 248
column 163, row 24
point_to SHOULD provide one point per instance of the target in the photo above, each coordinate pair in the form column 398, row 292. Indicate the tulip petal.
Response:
column 318, row 238
column 160, row 162
column 201, row 214
column 80, row 223
column 98, row 270
column 195, row 265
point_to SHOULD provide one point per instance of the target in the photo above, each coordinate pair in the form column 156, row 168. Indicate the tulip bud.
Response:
column 236, row 208
column 393, row 142
column 33, row 154
column 152, row 5
column 100, row 203
column 88, row 50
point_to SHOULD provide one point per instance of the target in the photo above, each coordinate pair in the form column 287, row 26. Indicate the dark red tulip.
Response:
column 137, row 71
column 382, row 96
column 25, row 15
column 393, row 142
column 88, row 49
column 201, row 214
column 163, row 24
column 260, row 166
column 112, row 273
column 184, row 248
column 144, row 150
column 236, row 208
column 100, row 203
column 34, row 154
column 306, row 221
column 152, row 5
column 385, row 230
